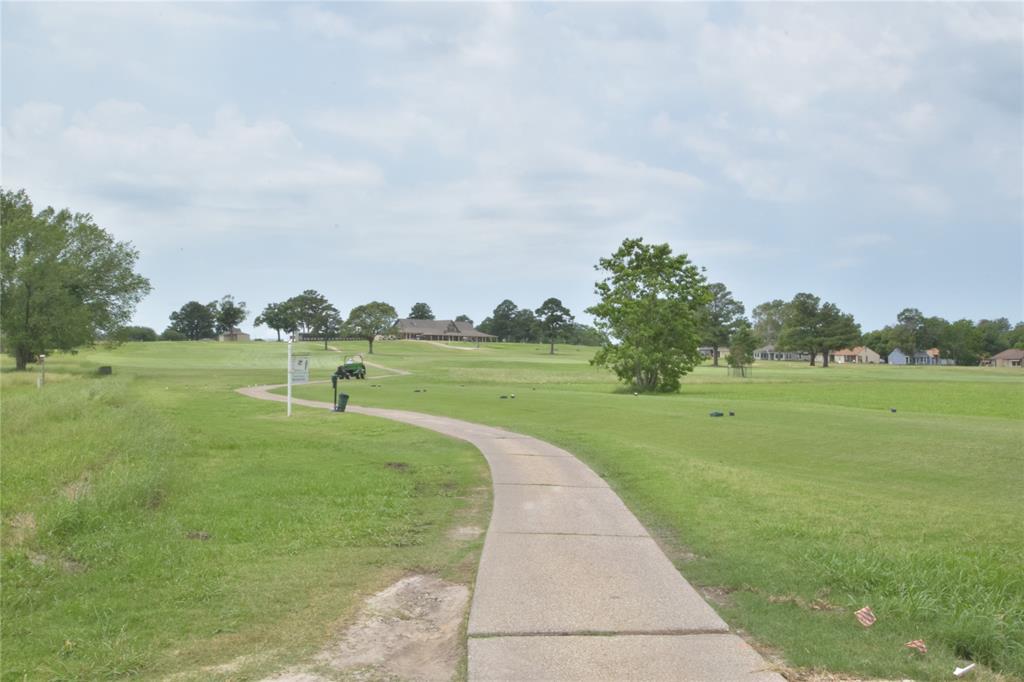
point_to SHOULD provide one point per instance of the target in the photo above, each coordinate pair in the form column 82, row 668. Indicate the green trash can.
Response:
column 342, row 402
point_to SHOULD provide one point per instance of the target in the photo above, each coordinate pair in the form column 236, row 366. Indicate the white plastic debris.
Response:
column 960, row 672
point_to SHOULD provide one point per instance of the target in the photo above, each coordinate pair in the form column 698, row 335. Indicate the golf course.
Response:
column 157, row 523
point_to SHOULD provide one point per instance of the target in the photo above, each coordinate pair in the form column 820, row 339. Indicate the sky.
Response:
column 461, row 154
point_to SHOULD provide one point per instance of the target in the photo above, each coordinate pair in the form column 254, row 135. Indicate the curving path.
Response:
column 571, row 586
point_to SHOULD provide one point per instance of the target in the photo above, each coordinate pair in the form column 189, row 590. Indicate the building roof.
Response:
column 1010, row 354
column 440, row 328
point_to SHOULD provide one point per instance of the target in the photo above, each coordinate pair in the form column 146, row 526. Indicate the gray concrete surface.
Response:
column 571, row 586
column 643, row 658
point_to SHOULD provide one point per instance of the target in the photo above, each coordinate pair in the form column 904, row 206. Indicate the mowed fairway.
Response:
column 156, row 522
column 813, row 501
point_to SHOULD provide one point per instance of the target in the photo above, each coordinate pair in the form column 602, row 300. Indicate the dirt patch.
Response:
column 818, row 604
column 721, row 596
column 23, row 527
column 78, row 489
column 198, row 535
column 411, row 630
column 465, row 532
column 401, row 466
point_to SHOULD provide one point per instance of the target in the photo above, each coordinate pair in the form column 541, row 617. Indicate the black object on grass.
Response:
column 892, row 409
column 731, row 413
column 716, row 414
column 503, row 397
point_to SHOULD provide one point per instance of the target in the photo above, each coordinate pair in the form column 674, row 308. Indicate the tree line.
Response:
column 65, row 282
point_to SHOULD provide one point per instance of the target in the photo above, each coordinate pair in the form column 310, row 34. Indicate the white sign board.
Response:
column 300, row 368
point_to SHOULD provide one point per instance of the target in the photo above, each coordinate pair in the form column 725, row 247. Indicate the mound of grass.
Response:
column 156, row 522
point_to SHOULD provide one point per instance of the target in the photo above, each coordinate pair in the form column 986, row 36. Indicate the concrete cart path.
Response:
column 571, row 586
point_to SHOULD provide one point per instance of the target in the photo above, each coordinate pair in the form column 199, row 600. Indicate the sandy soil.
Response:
column 409, row 631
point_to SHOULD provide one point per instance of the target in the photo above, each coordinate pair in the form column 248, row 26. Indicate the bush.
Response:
column 134, row 334
column 173, row 335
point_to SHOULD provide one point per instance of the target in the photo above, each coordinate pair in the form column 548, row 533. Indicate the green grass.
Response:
column 814, row 500
column 811, row 502
column 105, row 480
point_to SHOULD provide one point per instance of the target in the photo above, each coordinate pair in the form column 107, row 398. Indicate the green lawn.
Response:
column 157, row 522
column 814, row 500
column 811, row 502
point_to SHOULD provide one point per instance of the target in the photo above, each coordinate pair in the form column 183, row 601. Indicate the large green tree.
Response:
column 800, row 325
column 195, row 321
column 650, row 308
column 63, row 279
column 369, row 320
column 277, row 316
column 502, row 322
column 309, row 310
column 815, row 327
column 719, row 318
column 836, row 330
column 554, row 320
column 230, row 314
column 768, row 320
column 421, row 311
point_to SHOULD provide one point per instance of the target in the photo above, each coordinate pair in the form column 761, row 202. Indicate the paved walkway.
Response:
column 571, row 586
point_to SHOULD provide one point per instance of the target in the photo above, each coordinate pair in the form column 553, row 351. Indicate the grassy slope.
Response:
column 303, row 515
column 814, row 491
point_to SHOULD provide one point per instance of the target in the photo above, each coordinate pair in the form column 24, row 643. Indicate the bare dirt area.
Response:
column 408, row 631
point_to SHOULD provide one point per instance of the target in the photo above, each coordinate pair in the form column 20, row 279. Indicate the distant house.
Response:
column 440, row 330
column 770, row 353
column 235, row 334
column 921, row 357
column 1013, row 357
column 859, row 355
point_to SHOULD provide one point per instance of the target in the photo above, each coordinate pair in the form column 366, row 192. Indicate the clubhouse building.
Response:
column 440, row 330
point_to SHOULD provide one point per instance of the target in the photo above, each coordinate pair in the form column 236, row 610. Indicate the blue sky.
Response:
column 461, row 154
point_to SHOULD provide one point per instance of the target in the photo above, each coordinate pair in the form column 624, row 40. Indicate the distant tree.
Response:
column 1016, row 336
column 230, row 314
column 994, row 335
column 195, row 320
column 130, row 333
column 555, row 321
column 465, row 318
column 814, row 327
column 369, row 320
column 650, row 304
column 800, row 325
column 742, row 344
column 421, row 311
column 328, row 324
column 279, row 317
column 525, row 327
column 308, row 310
column 907, row 335
column 836, row 330
column 501, row 323
column 171, row 334
column 63, row 279
column 768, row 319
column 719, row 318
column 961, row 342
column 879, row 341
column 585, row 335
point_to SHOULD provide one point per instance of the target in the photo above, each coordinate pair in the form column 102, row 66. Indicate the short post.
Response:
column 42, row 371
column 290, row 338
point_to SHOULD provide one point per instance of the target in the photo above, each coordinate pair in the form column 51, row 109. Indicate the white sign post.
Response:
column 298, row 371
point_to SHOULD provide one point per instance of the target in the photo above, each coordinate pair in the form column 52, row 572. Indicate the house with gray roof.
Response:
column 440, row 330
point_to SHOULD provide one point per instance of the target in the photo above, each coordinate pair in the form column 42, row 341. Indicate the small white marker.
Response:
column 960, row 672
